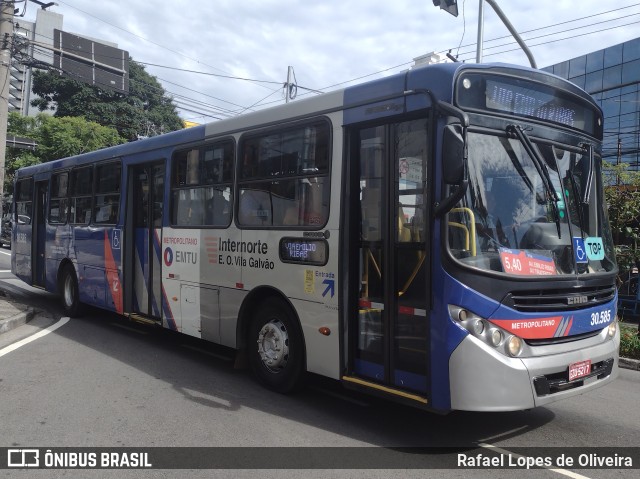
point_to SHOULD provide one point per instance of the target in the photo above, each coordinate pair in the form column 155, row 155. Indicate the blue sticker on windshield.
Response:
column 595, row 248
column 580, row 251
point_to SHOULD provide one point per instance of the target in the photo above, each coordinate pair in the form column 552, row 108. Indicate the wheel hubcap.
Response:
column 68, row 291
column 273, row 345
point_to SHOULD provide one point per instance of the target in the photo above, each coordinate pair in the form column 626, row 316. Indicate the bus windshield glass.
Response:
column 531, row 211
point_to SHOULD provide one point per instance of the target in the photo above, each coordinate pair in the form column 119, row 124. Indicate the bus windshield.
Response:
column 531, row 209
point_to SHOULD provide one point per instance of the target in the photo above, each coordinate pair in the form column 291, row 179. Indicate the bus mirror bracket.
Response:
column 454, row 163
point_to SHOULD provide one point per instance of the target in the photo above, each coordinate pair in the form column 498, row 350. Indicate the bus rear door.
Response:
column 143, row 268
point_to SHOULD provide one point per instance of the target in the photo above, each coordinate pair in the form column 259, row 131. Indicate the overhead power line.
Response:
column 549, row 26
column 210, row 74
column 554, row 40
column 164, row 47
column 566, row 38
column 402, row 65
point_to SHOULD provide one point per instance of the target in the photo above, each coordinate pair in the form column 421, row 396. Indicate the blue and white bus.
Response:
column 439, row 237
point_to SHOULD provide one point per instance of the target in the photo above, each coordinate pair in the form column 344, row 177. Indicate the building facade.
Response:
column 34, row 38
column 612, row 77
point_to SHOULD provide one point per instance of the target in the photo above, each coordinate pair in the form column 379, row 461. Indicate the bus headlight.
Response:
column 496, row 337
column 489, row 333
column 478, row 327
column 613, row 327
column 514, row 346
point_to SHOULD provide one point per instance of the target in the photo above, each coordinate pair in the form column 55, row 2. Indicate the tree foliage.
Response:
column 622, row 193
column 145, row 111
column 56, row 138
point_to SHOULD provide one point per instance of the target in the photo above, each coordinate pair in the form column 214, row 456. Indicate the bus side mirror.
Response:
column 454, row 168
column 453, row 155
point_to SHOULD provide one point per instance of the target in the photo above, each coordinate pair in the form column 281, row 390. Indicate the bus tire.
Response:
column 276, row 349
column 70, row 292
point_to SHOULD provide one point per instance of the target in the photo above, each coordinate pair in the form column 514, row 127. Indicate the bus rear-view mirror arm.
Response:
column 454, row 165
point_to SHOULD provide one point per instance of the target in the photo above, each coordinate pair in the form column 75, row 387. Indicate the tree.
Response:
column 145, row 109
column 622, row 193
column 56, row 138
column 69, row 136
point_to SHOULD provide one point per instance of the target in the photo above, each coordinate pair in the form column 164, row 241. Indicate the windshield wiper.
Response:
column 587, row 187
column 574, row 187
column 517, row 164
column 540, row 167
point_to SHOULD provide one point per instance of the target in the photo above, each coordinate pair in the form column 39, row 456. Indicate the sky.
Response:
column 192, row 47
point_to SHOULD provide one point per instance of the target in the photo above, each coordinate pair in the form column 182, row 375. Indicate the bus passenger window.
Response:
column 202, row 185
column 218, row 209
column 255, row 207
column 107, row 199
column 59, row 203
column 81, row 194
column 284, row 177
column 24, row 201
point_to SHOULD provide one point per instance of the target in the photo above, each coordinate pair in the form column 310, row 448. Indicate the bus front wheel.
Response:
column 70, row 292
column 276, row 349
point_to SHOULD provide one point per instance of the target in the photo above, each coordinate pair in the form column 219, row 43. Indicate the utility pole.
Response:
column 480, row 32
column 289, row 85
column 6, row 41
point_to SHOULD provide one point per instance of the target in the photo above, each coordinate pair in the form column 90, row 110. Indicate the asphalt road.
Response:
column 100, row 381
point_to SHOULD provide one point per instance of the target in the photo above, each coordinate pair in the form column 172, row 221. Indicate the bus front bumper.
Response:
column 482, row 379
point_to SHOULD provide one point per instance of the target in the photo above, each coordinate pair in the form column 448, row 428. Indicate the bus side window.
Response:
column 217, row 207
column 255, row 207
column 284, row 178
column 315, row 211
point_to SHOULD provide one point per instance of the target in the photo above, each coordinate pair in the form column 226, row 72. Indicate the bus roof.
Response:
column 437, row 78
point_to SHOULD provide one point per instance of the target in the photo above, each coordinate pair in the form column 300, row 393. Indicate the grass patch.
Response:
column 629, row 342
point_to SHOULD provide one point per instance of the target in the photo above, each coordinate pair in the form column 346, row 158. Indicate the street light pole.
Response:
column 451, row 6
column 509, row 26
column 480, row 32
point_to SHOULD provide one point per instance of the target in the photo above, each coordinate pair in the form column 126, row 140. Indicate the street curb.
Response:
column 627, row 363
column 17, row 320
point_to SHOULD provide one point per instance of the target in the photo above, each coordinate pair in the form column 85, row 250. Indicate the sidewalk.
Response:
column 12, row 313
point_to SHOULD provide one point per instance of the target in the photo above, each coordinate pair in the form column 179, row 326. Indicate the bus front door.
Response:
column 388, row 312
column 144, row 220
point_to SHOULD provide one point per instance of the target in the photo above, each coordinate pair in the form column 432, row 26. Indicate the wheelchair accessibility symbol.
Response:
column 115, row 239
column 579, row 251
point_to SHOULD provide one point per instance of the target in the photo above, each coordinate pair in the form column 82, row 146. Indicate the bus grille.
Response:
column 560, row 299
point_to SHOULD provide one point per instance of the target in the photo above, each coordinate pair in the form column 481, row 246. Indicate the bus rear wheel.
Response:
column 276, row 349
column 70, row 292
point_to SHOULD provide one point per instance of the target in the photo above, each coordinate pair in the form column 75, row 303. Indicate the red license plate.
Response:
column 579, row 370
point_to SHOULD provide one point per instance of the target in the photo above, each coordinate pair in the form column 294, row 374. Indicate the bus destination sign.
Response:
column 304, row 251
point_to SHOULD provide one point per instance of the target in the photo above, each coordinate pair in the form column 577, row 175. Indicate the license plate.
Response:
column 579, row 370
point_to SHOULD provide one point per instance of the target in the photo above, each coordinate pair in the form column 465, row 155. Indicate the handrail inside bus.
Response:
column 455, row 224
column 472, row 246
column 404, row 289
